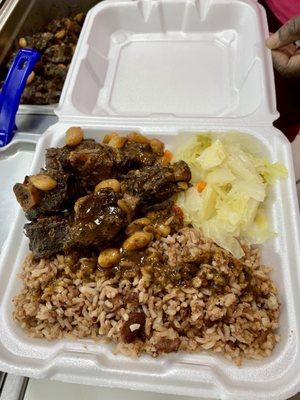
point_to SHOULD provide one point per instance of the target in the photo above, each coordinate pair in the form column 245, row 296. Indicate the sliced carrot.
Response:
column 168, row 154
column 201, row 185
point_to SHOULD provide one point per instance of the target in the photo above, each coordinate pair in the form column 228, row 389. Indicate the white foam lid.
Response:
column 172, row 60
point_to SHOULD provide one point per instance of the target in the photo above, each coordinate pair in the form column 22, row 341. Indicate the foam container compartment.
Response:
column 169, row 69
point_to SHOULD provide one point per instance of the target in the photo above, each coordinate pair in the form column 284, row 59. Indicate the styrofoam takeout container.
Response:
column 170, row 68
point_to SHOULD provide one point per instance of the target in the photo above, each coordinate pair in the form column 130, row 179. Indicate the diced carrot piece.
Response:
column 168, row 154
column 201, row 185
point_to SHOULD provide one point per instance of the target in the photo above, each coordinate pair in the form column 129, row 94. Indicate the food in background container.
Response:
column 110, row 258
column 230, row 184
column 57, row 44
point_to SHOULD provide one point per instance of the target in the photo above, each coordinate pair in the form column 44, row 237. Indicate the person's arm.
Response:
column 285, row 53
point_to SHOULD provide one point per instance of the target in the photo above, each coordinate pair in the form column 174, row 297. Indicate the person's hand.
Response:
column 285, row 53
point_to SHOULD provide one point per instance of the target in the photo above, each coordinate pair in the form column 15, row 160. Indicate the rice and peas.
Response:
column 229, row 305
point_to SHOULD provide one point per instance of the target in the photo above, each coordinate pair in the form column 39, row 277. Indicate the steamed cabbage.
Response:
column 212, row 156
column 230, row 207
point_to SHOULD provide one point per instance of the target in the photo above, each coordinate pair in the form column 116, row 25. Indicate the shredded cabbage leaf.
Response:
column 212, row 156
column 231, row 207
column 191, row 151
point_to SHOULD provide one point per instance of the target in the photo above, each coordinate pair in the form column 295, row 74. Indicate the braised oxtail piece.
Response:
column 47, row 236
column 38, row 202
column 94, row 165
column 98, row 220
column 156, row 183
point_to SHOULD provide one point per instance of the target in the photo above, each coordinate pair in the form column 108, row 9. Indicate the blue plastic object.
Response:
column 12, row 90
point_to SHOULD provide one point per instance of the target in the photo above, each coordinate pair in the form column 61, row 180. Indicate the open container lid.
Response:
column 178, row 61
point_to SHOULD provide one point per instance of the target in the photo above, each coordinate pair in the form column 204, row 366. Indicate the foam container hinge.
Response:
column 118, row 35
